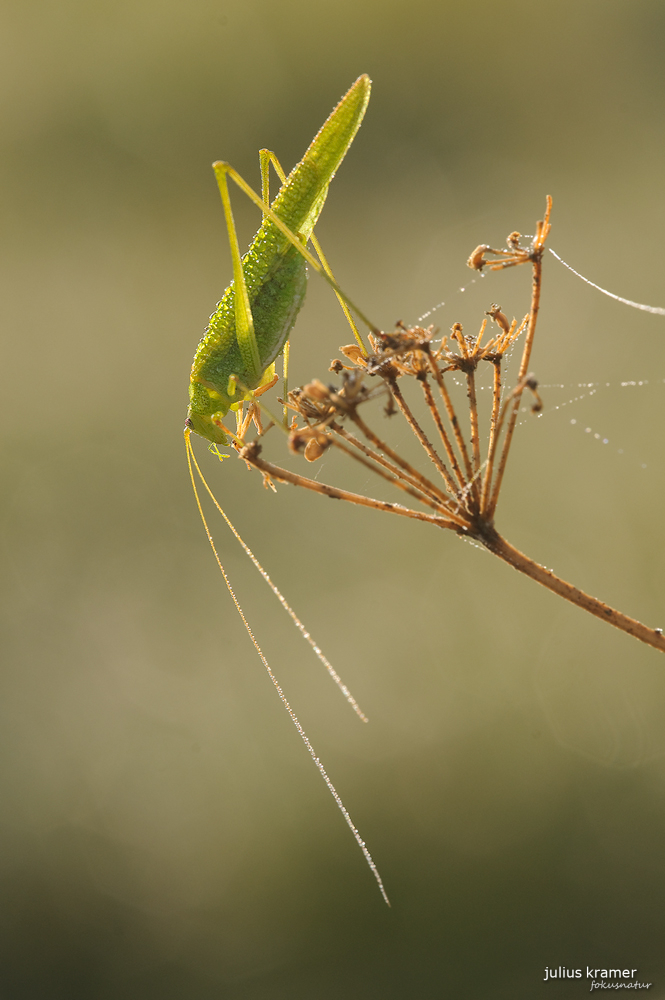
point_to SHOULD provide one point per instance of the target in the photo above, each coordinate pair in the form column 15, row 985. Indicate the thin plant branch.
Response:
column 436, row 416
column 397, row 459
column 491, row 447
column 392, row 479
column 454, row 422
column 501, row 548
column 536, row 256
column 469, row 507
column 419, row 491
column 418, row 431
column 250, row 454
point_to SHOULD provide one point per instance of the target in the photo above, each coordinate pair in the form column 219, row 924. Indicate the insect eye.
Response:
column 189, row 423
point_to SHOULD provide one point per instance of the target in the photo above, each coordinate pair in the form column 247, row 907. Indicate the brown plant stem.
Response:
column 250, row 454
column 454, row 423
column 496, row 408
column 417, row 429
column 436, row 416
column 536, row 284
column 430, row 488
column 392, row 479
column 533, row 316
column 492, row 541
column 475, row 436
column 417, row 482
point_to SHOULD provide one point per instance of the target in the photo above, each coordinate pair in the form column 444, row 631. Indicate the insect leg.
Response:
column 223, row 169
column 243, row 314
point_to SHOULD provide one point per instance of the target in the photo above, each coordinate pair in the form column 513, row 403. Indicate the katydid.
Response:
column 256, row 314
column 234, row 360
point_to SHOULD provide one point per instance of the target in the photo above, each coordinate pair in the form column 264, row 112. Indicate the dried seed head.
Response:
column 316, row 391
column 477, row 259
column 315, row 447
column 470, row 491
column 355, row 354
column 311, row 441
column 499, row 318
column 299, row 402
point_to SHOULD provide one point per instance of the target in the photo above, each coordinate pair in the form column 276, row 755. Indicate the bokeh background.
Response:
column 164, row 834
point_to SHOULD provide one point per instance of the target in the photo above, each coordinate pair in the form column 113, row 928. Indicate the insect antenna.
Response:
column 276, row 591
column 193, row 464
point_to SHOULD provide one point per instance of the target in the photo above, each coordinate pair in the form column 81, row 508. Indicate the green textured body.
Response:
column 274, row 274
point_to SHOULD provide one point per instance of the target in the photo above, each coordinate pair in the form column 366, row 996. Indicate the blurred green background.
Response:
column 164, row 833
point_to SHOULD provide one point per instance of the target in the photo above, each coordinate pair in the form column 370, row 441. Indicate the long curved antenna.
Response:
column 294, row 719
column 280, row 597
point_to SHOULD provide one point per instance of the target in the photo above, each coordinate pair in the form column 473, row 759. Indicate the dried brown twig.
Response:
column 466, row 498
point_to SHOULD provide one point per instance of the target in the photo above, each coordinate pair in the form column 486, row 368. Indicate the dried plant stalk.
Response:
column 467, row 500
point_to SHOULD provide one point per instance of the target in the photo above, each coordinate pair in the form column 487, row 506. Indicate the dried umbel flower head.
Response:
column 470, row 465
